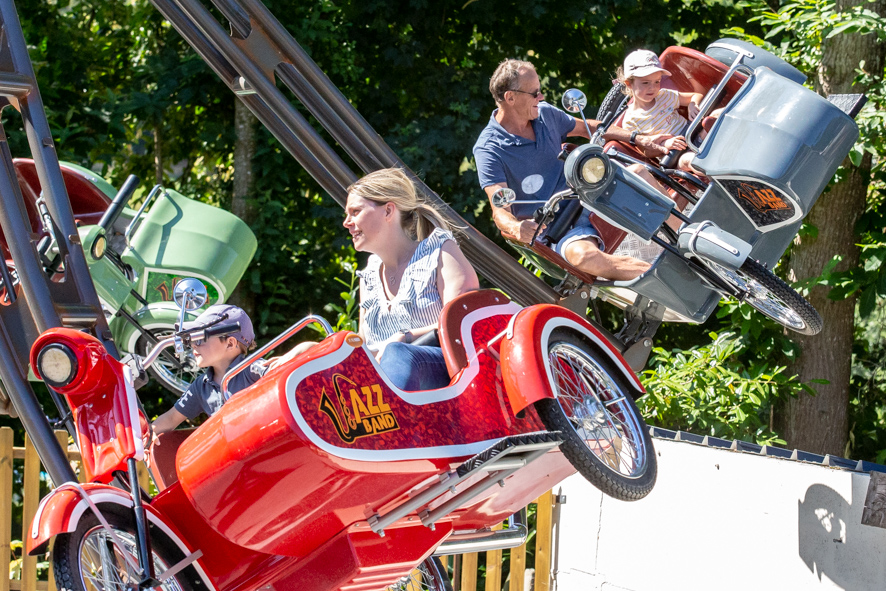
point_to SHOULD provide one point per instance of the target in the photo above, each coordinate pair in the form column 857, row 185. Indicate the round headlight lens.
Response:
column 57, row 365
column 593, row 170
column 99, row 247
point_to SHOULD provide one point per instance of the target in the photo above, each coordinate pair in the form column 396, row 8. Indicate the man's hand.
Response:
column 675, row 143
column 653, row 145
column 525, row 230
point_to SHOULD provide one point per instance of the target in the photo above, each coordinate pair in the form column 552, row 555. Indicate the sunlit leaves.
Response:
column 709, row 390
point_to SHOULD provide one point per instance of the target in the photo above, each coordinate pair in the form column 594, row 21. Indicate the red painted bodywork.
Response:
column 277, row 487
column 97, row 397
column 524, row 356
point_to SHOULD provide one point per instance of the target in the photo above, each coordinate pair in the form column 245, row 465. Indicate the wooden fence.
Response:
column 465, row 567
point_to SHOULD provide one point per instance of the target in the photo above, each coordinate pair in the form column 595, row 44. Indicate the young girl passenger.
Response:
column 654, row 109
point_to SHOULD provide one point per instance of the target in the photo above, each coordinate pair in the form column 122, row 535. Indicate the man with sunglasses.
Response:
column 518, row 149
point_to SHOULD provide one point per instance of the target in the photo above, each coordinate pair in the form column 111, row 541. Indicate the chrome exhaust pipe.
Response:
column 483, row 540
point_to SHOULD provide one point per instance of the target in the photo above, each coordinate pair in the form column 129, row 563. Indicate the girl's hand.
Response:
column 693, row 109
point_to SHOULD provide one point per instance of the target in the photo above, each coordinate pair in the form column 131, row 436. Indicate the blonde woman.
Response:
column 416, row 267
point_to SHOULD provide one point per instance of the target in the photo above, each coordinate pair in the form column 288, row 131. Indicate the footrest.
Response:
column 498, row 461
column 516, row 443
column 850, row 104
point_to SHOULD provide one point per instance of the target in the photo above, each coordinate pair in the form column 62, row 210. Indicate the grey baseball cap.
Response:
column 230, row 315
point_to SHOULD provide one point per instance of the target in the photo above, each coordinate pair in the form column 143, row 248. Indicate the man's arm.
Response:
column 581, row 131
column 651, row 145
column 505, row 220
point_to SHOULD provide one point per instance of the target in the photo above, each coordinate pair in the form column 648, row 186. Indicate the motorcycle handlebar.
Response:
column 221, row 330
column 120, row 200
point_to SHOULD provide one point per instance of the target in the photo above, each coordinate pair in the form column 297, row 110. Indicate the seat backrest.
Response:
column 455, row 332
column 693, row 71
column 161, row 456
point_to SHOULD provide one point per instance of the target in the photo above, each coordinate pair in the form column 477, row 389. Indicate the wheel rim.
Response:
column 103, row 566
column 166, row 371
column 759, row 297
column 424, row 577
column 598, row 411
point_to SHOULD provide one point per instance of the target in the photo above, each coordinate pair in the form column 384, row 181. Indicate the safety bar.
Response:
column 298, row 326
column 483, row 540
column 711, row 98
column 136, row 221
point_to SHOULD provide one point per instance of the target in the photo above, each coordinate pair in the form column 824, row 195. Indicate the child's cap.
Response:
column 226, row 314
column 642, row 63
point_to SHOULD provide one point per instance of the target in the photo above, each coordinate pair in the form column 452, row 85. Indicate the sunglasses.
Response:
column 201, row 342
column 532, row 94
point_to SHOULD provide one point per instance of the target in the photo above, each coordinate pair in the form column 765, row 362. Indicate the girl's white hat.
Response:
column 642, row 63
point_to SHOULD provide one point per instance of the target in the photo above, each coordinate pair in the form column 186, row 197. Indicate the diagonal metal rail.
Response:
column 254, row 52
column 37, row 302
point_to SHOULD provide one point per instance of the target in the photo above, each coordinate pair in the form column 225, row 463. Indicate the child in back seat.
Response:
column 654, row 109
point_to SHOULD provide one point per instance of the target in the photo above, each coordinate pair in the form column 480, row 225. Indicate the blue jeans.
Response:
column 414, row 368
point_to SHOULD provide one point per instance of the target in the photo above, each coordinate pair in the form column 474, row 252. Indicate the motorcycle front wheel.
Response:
column 165, row 370
column 430, row 575
column 758, row 287
column 607, row 440
column 90, row 560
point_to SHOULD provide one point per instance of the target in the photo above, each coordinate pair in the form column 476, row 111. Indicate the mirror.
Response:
column 190, row 294
column 574, row 100
column 503, row 197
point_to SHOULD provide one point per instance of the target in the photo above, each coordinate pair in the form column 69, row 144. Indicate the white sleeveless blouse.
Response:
column 417, row 302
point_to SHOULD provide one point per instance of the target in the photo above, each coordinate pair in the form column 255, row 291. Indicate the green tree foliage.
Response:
column 711, row 390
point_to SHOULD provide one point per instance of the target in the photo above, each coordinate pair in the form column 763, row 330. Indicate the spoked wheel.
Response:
column 174, row 375
column 759, row 288
column 90, row 560
column 606, row 439
column 430, row 575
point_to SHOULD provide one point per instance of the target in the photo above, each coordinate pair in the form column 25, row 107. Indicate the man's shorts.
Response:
column 581, row 232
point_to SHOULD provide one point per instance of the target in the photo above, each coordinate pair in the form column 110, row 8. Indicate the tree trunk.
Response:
column 819, row 424
column 158, row 154
column 244, row 186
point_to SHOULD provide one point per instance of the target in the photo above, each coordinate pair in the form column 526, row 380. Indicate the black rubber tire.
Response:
column 430, row 575
column 759, row 288
column 176, row 381
column 68, row 560
column 616, row 453
column 614, row 102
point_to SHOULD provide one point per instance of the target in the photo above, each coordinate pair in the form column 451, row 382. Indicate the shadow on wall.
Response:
column 833, row 542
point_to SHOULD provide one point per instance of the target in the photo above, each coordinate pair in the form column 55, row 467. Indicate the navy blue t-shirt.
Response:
column 204, row 394
column 530, row 168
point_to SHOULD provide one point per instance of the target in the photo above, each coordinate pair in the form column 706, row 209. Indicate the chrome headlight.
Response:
column 593, row 170
column 57, row 365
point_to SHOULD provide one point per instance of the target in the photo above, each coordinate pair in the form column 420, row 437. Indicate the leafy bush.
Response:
column 710, row 390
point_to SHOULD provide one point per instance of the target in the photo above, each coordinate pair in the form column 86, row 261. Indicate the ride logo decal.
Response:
column 360, row 411
column 763, row 204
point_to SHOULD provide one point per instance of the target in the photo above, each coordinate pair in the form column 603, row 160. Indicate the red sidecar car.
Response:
column 324, row 476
